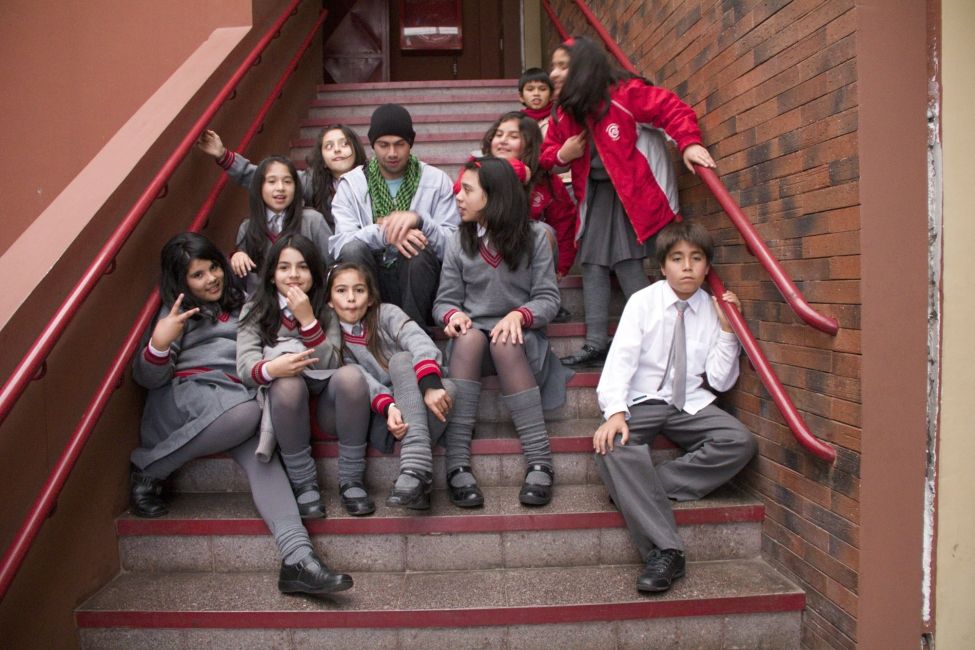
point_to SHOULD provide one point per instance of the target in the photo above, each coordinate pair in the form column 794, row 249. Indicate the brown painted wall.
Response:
column 82, row 69
column 777, row 87
column 76, row 551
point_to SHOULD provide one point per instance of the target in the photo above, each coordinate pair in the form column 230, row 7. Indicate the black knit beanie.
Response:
column 391, row 119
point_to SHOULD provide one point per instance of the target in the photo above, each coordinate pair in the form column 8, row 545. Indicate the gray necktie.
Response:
column 277, row 223
column 677, row 359
column 357, row 330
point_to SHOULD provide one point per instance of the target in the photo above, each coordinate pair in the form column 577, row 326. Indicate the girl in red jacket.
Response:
column 600, row 130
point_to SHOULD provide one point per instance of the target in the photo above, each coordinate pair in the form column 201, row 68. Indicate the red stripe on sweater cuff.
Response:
column 427, row 367
column 257, row 375
column 446, row 317
column 227, row 159
column 380, row 402
column 155, row 359
column 312, row 335
column 527, row 315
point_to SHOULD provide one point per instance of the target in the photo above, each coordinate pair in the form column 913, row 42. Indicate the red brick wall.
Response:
column 774, row 84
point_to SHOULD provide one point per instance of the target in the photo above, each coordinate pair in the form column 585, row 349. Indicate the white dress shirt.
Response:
column 637, row 358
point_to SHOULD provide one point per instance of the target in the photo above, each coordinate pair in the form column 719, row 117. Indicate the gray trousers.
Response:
column 716, row 447
column 410, row 284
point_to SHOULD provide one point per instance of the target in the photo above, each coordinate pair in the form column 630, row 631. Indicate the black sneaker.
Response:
column 311, row 576
column 588, row 355
column 663, row 567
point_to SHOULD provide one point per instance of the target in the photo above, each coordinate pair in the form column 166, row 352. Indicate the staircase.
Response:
column 505, row 576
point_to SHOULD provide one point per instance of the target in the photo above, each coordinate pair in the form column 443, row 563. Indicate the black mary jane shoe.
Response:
column 534, row 494
column 311, row 576
column 465, row 496
column 563, row 316
column 415, row 498
column 312, row 509
column 588, row 355
column 356, row 506
column 145, row 495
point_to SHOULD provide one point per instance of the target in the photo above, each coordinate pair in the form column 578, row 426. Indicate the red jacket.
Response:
column 615, row 138
column 550, row 202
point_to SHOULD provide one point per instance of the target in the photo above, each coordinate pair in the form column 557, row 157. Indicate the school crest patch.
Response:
column 613, row 131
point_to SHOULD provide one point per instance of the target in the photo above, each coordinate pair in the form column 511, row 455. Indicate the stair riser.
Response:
column 422, row 150
column 400, row 96
column 224, row 475
column 487, row 107
column 437, row 127
column 774, row 630
column 423, row 552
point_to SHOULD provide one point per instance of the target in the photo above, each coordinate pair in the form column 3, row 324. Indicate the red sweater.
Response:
column 550, row 202
column 615, row 137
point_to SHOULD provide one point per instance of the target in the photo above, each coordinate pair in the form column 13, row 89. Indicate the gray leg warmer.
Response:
column 461, row 426
column 595, row 297
column 632, row 276
column 529, row 421
column 415, row 452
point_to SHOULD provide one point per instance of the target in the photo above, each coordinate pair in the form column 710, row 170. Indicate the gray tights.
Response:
column 234, row 432
column 596, row 295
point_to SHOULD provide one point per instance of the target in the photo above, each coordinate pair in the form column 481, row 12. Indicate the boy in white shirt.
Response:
column 640, row 396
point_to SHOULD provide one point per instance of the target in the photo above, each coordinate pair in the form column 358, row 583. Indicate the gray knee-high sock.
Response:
column 461, row 427
column 529, row 420
column 595, row 297
column 415, row 452
column 300, row 468
column 352, row 467
column 292, row 539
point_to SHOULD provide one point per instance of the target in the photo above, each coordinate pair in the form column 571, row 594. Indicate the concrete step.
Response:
column 494, row 105
column 453, row 145
column 441, row 124
column 223, row 532
column 398, row 92
column 723, row 604
column 495, row 454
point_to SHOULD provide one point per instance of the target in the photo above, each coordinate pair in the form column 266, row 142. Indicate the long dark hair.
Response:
column 585, row 93
column 175, row 260
column 531, row 136
column 257, row 236
column 505, row 215
column 266, row 314
column 322, row 182
column 371, row 320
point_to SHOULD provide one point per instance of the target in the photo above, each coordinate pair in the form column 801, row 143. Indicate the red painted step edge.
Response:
column 510, row 96
column 430, row 618
column 405, row 85
column 424, row 524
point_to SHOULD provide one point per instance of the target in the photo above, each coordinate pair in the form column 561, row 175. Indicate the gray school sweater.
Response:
column 188, row 389
column 313, row 226
column 250, row 350
column 397, row 333
column 483, row 287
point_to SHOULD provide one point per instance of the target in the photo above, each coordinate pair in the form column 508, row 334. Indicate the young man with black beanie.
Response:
column 394, row 215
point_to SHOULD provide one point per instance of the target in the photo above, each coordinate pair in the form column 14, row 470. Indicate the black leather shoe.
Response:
column 311, row 576
column 587, row 355
column 563, row 316
column 312, row 509
column 466, row 496
column 533, row 494
column 356, row 506
column 145, row 495
column 663, row 567
column 417, row 498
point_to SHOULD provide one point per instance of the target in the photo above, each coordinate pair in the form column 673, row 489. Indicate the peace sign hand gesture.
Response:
column 170, row 327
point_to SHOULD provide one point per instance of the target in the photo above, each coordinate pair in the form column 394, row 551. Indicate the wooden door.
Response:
column 491, row 46
column 356, row 47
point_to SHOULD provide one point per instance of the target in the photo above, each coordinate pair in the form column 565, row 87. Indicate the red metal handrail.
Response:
column 15, row 385
column 14, row 555
column 555, row 21
column 756, row 244
column 762, row 367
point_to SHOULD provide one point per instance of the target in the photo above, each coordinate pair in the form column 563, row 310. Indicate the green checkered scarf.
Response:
column 382, row 202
